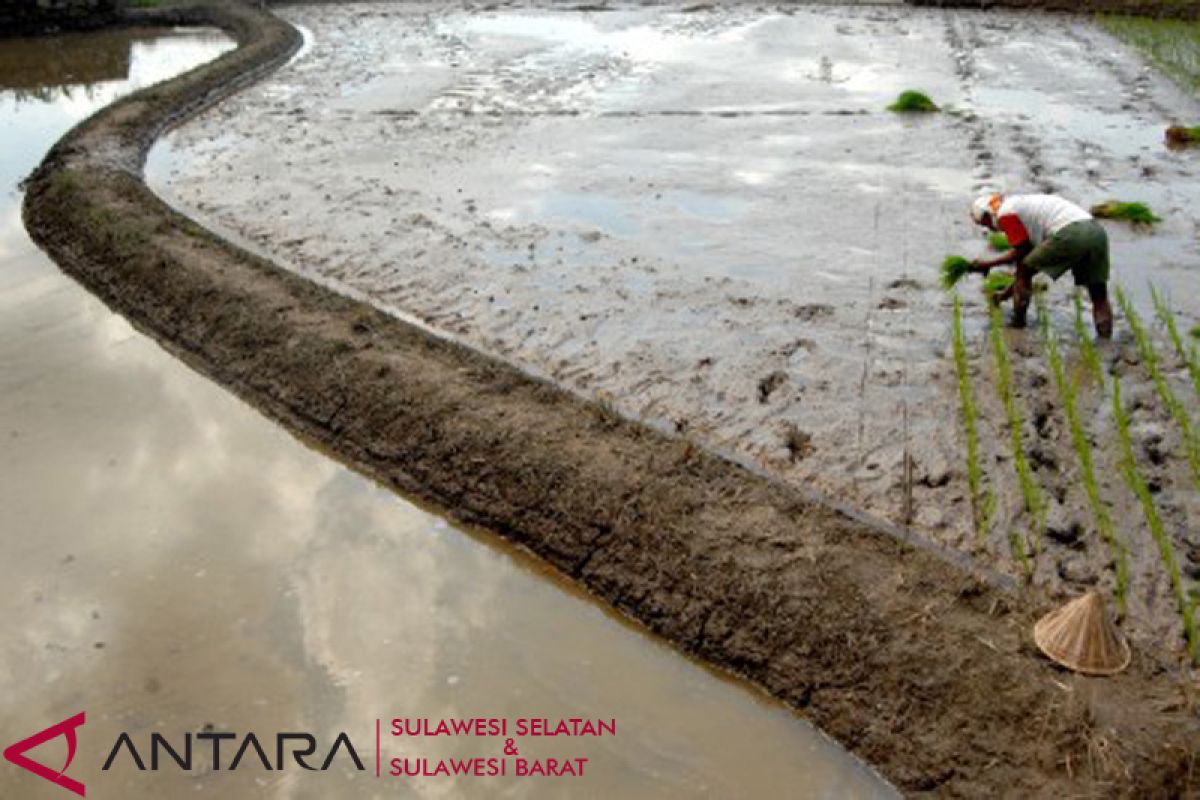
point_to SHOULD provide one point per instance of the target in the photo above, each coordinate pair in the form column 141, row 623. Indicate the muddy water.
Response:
column 174, row 562
column 584, row 193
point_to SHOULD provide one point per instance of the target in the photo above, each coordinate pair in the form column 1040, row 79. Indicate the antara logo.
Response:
column 239, row 751
column 16, row 754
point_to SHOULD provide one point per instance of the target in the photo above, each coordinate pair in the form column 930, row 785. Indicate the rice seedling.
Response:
column 913, row 102
column 1168, row 319
column 982, row 502
column 1149, row 357
column 1086, row 346
column 997, row 282
column 954, row 269
column 1181, row 135
column 1137, row 484
column 1173, row 45
column 998, row 241
column 1031, row 494
column 1196, row 332
column 1067, row 395
column 1138, row 213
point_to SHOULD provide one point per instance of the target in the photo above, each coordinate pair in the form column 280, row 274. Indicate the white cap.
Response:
column 984, row 205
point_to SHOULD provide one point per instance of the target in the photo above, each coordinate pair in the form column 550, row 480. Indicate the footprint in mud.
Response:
column 768, row 384
column 812, row 311
column 892, row 304
column 903, row 283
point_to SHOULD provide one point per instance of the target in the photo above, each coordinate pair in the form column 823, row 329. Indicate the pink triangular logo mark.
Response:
column 16, row 753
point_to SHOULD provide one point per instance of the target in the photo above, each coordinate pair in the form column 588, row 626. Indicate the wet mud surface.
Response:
column 922, row 668
column 707, row 220
column 173, row 561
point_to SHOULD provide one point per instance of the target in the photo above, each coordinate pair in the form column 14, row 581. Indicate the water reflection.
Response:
column 173, row 561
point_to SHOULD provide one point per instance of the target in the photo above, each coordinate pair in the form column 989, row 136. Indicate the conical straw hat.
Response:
column 1080, row 636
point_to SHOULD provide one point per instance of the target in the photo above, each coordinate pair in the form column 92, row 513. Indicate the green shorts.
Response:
column 1081, row 247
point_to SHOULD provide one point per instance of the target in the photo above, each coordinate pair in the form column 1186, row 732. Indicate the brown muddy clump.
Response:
column 923, row 669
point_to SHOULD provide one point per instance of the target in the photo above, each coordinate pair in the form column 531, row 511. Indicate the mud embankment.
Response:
column 922, row 669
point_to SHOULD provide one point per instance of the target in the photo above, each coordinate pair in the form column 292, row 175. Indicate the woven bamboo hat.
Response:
column 1081, row 637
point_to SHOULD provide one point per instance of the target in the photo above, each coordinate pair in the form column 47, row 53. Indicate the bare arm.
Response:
column 1016, row 256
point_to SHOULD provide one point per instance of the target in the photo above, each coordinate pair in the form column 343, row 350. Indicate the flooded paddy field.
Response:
column 173, row 561
column 705, row 218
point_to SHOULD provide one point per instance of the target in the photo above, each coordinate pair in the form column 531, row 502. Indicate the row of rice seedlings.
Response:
column 1168, row 319
column 1030, row 493
column 1091, row 357
column 1150, row 358
column 1137, row 484
column 1067, row 395
column 982, row 501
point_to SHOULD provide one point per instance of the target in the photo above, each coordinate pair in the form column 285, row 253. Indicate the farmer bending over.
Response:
column 1047, row 235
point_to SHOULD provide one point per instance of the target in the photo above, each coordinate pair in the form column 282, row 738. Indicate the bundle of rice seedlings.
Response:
column 954, row 269
column 1183, row 135
column 999, row 241
column 997, row 282
column 913, row 102
column 1139, row 213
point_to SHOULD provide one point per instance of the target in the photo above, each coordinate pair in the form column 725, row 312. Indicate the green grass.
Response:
column 913, row 102
column 1150, row 359
column 1031, row 494
column 1136, row 484
column 999, row 241
column 982, row 501
column 1167, row 317
column 1139, row 213
column 954, row 269
column 1086, row 346
column 1171, row 45
column 143, row 3
column 1068, row 396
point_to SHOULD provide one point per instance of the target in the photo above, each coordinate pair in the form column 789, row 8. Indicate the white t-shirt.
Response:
column 1036, row 217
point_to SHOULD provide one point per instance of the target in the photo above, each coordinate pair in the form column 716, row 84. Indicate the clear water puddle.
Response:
column 172, row 560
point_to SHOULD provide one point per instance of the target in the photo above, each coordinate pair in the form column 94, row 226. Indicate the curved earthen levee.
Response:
column 924, row 670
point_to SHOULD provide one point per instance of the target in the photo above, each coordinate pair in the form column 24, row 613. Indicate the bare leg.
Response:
column 1101, row 310
column 1022, row 292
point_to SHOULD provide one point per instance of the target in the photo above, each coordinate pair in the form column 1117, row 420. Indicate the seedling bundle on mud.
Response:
column 1182, row 136
column 1138, row 213
column 913, row 102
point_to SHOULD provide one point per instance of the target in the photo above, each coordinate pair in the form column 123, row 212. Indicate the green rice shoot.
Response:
column 1137, row 484
column 1068, row 396
column 998, row 241
column 1030, row 492
column 1167, row 317
column 1091, row 357
column 1149, row 356
column 913, row 102
column 954, row 269
column 997, row 282
column 1138, row 213
column 982, row 502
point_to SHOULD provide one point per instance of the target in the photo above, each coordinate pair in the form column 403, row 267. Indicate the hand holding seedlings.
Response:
column 1047, row 235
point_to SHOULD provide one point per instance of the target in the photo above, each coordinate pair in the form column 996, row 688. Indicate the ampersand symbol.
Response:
column 510, row 749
